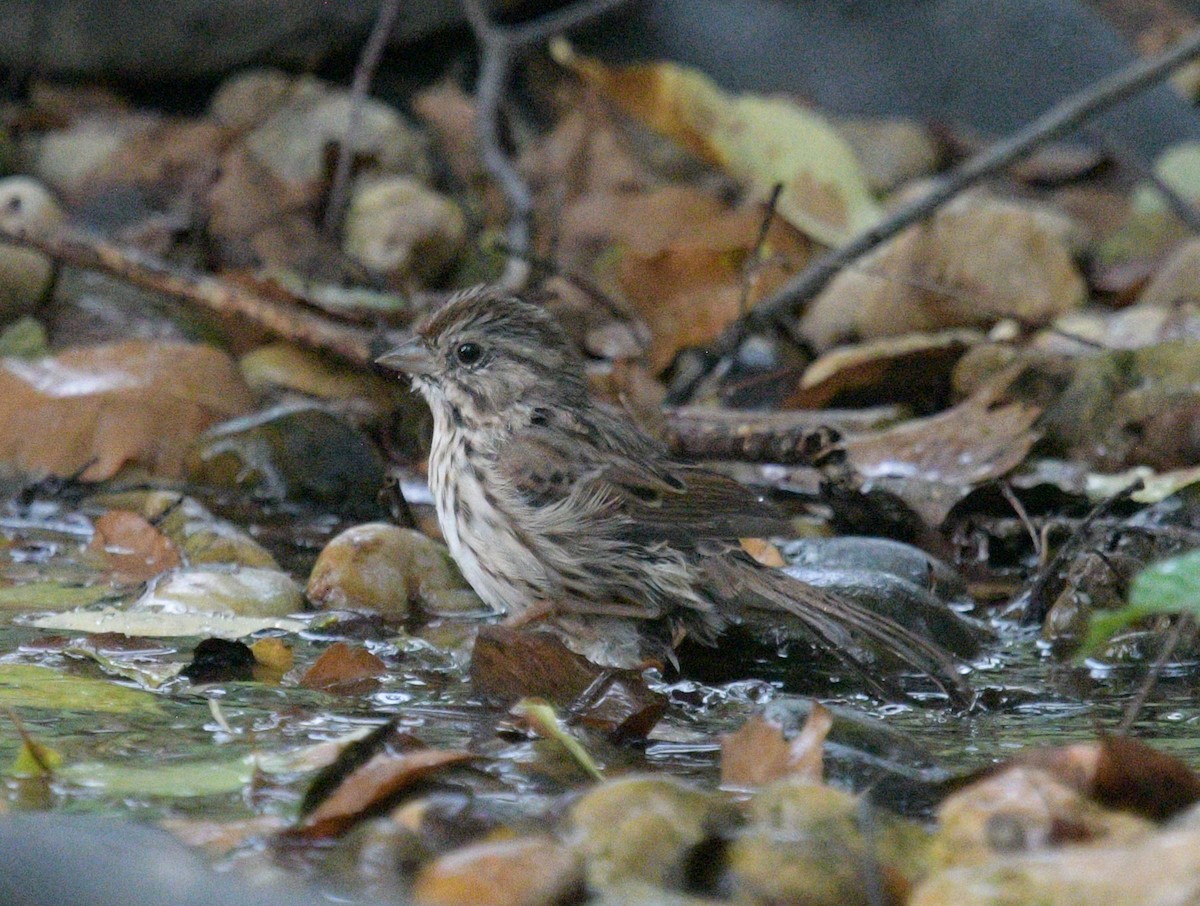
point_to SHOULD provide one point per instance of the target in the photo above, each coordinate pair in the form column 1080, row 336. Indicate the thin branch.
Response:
column 364, row 73
column 358, row 345
column 1060, row 120
column 1036, row 603
column 1171, row 641
column 1130, row 158
column 499, row 47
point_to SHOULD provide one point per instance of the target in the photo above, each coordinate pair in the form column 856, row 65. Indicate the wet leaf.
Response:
column 373, row 786
column 171, row 779
column 134, row 549
column 932, row 463
column 165, row 624
column 1169, row 586
column 51, row 595
column 132, row 403
column 757, row 753
column 35, row 760
column 341, row 668
column 507, row 665
column 761, row 141
column 27, row 686
column 272, row 656
column 541, row 717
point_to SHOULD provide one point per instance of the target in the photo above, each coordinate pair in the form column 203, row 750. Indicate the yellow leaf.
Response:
column 762, row 142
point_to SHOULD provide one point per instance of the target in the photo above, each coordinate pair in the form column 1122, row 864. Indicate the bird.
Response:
column 560, row 511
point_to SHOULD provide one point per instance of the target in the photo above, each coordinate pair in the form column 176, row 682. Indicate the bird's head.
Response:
column 486, row 352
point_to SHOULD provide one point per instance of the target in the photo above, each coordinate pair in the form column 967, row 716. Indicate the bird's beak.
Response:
column 411, row 358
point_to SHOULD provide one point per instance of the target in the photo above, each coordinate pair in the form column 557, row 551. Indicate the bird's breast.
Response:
column 485, row 544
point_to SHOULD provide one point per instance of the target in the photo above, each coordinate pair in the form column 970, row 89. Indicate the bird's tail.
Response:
column 836, row 624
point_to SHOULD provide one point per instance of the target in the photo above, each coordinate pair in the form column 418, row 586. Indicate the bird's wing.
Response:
column 660, row 499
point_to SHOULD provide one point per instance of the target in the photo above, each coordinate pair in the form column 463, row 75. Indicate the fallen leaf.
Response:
column 757, row 753
column 932, row 463
column 137, row 402
column 540, row 716
column 373, row 787
column 340, row 667
column 762, row 142
column 508, row 665
column 27, row 686
column 763, row 551
column 164, row 624
column 135, row 550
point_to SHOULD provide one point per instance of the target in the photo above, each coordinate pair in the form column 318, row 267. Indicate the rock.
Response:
column 292, row 143
column 397, row 226
column 1023, row 809
column 67, row 158
column 247, row 98
column 243, row 591
column 977, row 261
column 386, row 569
column 528, row 871
column 293, row 452
column 891, row 151
column 804, row 844
column 285, row 366
column 26, row 207
column 1161, row 869
column 1176, row 283
column 644, row 829
column 854, row 552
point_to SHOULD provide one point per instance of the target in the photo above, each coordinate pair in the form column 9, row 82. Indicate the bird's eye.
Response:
column 469, row 353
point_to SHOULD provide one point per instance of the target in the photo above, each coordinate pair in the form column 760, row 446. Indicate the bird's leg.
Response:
column 535, row 613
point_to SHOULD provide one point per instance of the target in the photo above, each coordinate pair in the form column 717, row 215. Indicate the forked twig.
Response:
column 499, row 47
column 364, row 72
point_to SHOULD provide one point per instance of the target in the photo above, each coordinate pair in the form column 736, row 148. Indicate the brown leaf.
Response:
column 681, row 258
column 757, row 753
column 914, row 368
column 341, row 668
column 932, row 463
column 508, row 664
column 137, row 402
column 134, row 549
column 372, row 787
column 520, row 872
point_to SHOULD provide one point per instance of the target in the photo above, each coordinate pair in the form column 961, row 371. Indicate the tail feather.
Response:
column 835, row 624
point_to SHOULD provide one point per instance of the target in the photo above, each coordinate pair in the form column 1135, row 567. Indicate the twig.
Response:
column 1170, row 643
column 364, row 72
column 358, row 345
column 755, row 258
column 1022, row 514
column 1128, row 157
column 500, row 46
column 1058, row 121
column 1036, row 604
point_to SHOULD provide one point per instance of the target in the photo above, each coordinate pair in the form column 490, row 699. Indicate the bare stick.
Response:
column 364, row 72
column 499, row 47
column 358, row 345
column 1058, row 121
column 1169, row 644
column 1130, row 158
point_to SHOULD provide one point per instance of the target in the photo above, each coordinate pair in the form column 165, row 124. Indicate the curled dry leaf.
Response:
column 137, row 403
column 134, row 550
column 758, row 754
column 763, row 142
